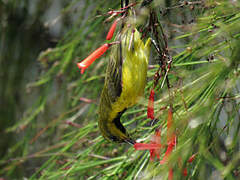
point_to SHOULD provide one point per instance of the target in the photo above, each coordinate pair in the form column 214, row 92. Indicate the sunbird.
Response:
column 125, row 78
column 124, row 84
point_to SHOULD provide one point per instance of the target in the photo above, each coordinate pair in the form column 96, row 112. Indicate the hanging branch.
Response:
column 161, row 45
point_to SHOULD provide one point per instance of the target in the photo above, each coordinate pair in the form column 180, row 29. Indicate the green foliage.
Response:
column 59, row 134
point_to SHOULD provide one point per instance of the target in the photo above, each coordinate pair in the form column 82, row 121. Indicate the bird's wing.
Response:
column 114, row 73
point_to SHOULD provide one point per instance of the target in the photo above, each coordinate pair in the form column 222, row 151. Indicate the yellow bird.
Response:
column 124, row 83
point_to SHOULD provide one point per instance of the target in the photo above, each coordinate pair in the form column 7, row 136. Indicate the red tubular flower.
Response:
column 170, row 133
column 144, row 146
column 170, row 147
column 112, row 30
column 171, row 137
column 154, row 146
column 157, row 140
column 92, row 57
column 152, row 154
column 191, row 158
column 170, row 174
column 185, row 171
column 150, row 110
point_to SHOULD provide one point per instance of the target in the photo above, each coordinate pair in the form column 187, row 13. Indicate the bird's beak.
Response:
column 130, row 141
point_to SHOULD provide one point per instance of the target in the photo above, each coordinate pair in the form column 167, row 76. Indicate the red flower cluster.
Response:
column 150, row 110
column 155, row 145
